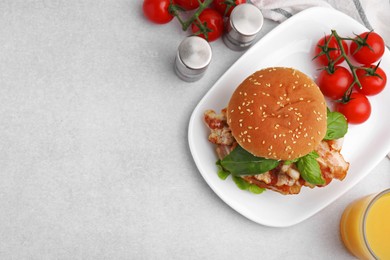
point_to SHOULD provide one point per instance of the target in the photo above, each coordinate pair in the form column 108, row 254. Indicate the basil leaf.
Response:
column 310, row 169
column 241, row 162
column 288, row 162
column 222, row 174
column 337, row 126
column 244, row 185
column 241, row 183
column 256, row 189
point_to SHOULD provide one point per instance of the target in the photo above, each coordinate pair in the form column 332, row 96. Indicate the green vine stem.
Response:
column 175, row 10
column 353, row 68
column 331, row 66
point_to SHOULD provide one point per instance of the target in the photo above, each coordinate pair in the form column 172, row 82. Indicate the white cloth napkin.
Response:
column 374, row 14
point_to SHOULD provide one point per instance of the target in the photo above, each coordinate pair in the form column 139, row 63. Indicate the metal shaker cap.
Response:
column 243, row 25
column 192, row 58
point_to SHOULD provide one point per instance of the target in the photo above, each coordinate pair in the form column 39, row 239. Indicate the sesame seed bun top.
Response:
column 278, row 113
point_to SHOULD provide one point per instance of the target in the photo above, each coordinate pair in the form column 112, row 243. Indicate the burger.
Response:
column 277, row 133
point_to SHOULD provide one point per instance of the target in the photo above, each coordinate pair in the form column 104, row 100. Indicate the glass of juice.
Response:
column 365, row 226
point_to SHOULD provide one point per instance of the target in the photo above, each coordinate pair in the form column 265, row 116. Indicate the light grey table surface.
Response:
column 94, row 157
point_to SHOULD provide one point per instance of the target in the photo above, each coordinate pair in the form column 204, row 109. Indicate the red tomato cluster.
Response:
column 340, row 83
column 158, row 11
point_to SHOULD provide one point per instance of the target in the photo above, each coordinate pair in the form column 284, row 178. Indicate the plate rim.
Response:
column 193, row 119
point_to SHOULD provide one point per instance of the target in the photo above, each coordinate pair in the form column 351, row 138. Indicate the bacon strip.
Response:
column 285, row 179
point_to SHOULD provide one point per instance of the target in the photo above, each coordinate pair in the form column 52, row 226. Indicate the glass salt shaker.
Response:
column 242, row 27
column 192, row 58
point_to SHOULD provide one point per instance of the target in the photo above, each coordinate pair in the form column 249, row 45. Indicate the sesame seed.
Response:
column 263, row 142
column 249, row 140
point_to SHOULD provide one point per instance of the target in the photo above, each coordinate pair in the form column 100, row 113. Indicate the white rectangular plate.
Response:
column 291, row 44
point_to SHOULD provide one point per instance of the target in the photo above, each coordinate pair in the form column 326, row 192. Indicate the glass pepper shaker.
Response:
column 242, row 27
column 192, row 58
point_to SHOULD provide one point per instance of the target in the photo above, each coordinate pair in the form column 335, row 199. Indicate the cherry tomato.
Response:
column 214, row 22
column 371, row 84
column 365, row 55
column 222, row 6
column 333, row 54
column 334, row 85
column 188, row 4
column 357, row 110
column 157, row 11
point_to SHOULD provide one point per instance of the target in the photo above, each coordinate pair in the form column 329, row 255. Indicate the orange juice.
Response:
column 365, row 226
